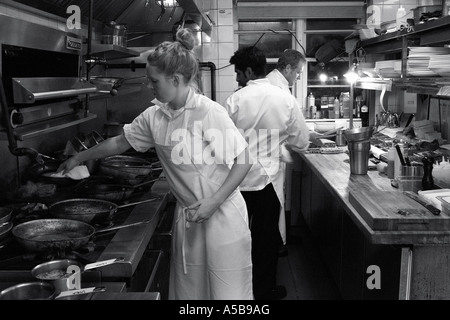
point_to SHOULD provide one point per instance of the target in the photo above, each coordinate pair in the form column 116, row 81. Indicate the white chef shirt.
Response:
column 277, row 79
column 213, row 140
column 262, row 108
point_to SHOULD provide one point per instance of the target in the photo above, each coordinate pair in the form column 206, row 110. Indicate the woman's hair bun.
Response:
column 186, row 38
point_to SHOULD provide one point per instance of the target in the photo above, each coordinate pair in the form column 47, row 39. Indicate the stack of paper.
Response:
column 424, row 130
column 419, row 59
column 389, row 68
column 440, row 64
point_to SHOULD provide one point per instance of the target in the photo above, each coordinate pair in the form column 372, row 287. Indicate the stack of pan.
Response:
column 5, row 222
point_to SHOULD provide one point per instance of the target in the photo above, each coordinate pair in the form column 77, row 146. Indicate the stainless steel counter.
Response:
column 130, row 243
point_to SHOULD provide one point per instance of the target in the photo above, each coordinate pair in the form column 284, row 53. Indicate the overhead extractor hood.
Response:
column 111, row 52
column 31, row 90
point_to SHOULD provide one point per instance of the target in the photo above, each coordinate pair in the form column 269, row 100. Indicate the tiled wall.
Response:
column 219, row 47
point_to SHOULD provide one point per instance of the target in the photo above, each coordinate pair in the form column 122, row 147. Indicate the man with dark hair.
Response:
column 268, row 117
column 249, row 62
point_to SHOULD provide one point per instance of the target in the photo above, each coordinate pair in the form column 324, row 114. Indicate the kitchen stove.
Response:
column 130, row 243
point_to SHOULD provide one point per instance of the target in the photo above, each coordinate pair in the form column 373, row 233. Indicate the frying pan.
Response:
column 128, row 170
column 88, row 210
column 41, row 291
column 58, row 234
column 43, row 173
column 109, row 191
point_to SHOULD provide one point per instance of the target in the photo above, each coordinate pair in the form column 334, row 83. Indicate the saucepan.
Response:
column 88, row 210
column 59, row 235
column 65, row 274
column 41, row 291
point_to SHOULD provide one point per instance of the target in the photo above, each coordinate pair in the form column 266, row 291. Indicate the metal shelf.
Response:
column 436, row 32
column 430, row 33
column 35, row 130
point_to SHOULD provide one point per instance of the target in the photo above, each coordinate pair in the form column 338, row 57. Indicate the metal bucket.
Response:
column 359, row 156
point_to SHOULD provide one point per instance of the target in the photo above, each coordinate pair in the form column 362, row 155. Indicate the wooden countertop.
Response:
column 333, row 170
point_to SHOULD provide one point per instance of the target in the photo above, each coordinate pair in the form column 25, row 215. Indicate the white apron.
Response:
column 210, row 261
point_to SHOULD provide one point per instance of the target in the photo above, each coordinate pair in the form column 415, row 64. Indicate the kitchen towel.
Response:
column 77, row 173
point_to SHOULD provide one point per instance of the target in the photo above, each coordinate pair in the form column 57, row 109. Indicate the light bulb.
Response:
column 351, row 76
column 323, row 77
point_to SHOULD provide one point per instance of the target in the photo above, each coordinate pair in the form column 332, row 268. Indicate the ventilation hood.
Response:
column 146, row 19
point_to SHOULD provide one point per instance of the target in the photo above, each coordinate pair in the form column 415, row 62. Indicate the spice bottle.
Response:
column 427, row 180
column 401, row 18
column 336, row 107
column 311, row 106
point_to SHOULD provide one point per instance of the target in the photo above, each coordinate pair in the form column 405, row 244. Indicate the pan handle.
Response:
column 144, row 183
column 71, row 293
column 123, row 226
column 136, row 203
column 104, row 263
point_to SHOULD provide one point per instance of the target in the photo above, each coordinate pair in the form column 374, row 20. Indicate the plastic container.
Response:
column 413, row 184
column 311, row 106
column 400, row 18
column 336, row 107
column 346, row 105
column 412, row 171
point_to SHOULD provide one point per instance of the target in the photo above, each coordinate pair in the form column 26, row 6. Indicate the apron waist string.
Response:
column 187, row 225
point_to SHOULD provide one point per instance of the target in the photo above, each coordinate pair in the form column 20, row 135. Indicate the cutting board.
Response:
column 380, row 210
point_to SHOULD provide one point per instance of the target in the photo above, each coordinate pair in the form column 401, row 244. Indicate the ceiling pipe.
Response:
column 89, row 60
column 212, row 67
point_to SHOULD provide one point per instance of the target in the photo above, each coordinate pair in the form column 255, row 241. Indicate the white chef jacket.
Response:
column 261, row 110
column 211, row 260
column 277, row 79
column 262, row 106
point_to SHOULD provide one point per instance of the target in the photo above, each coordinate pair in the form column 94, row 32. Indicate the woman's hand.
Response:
column 68, row 165
column 202, row 210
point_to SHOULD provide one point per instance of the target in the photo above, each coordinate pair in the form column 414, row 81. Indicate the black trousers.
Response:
column 264, row 212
